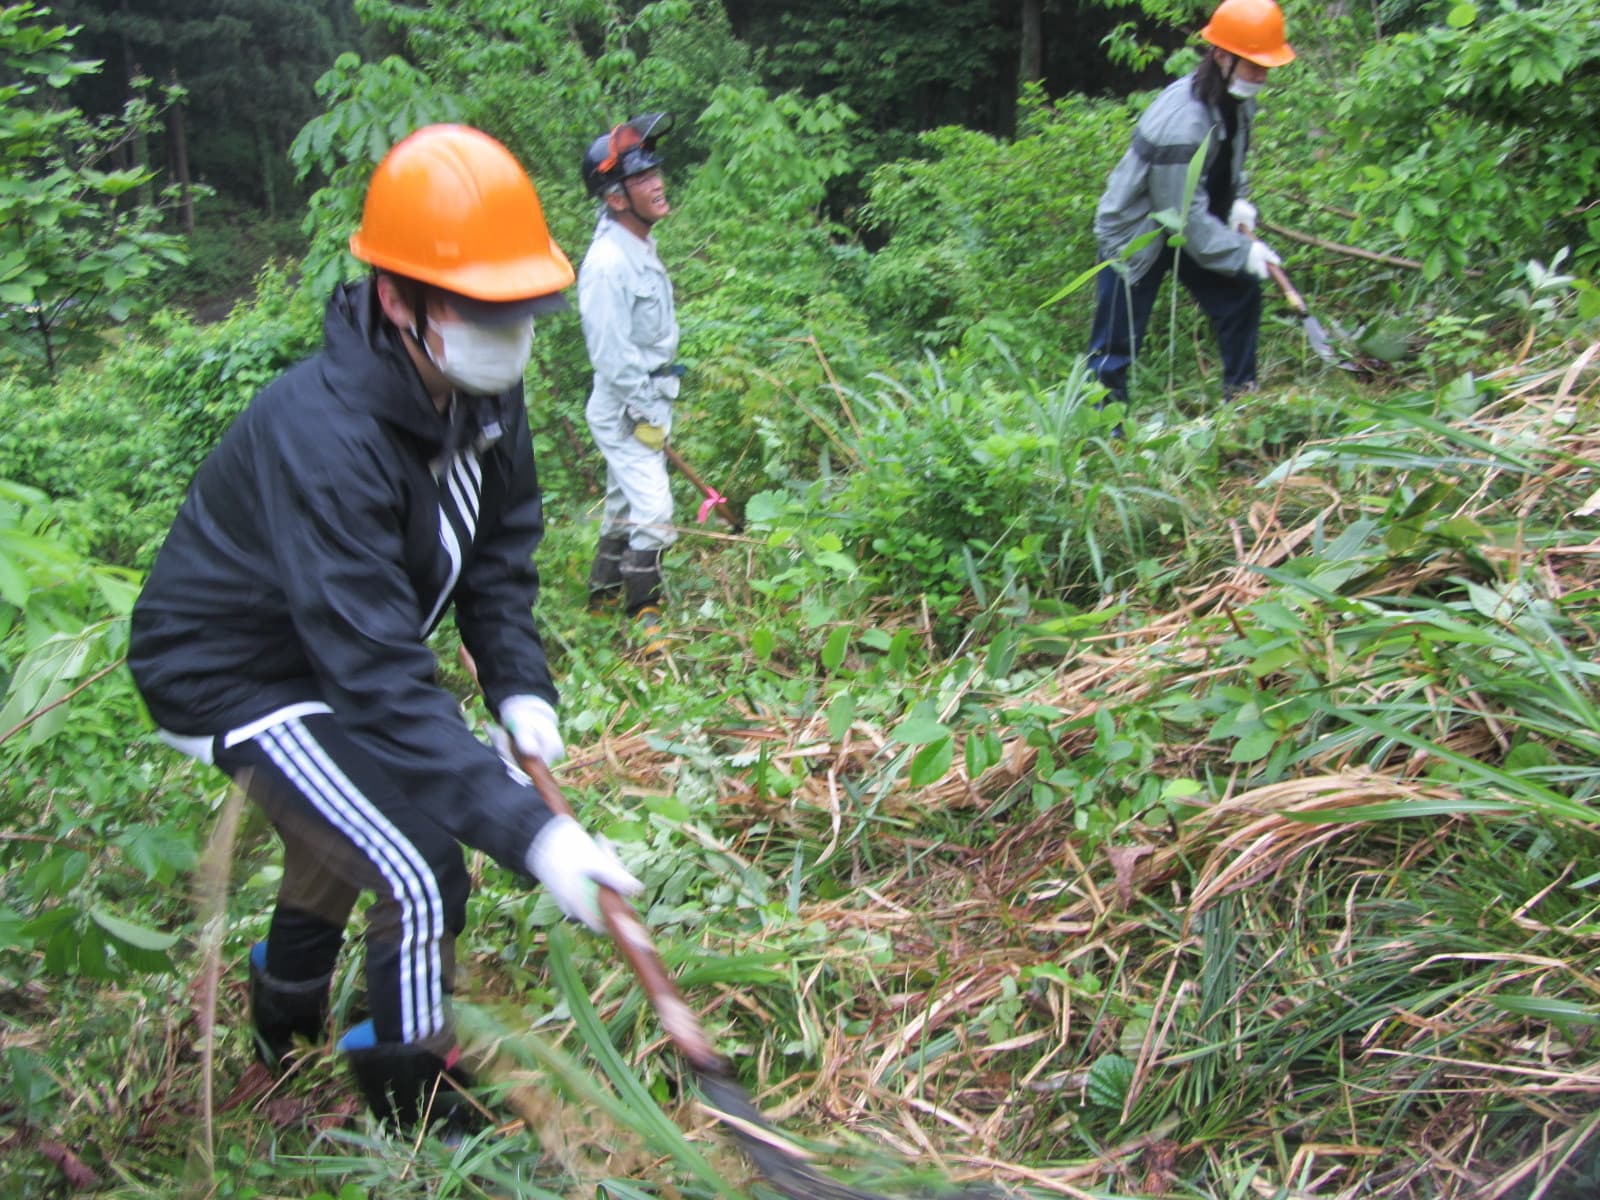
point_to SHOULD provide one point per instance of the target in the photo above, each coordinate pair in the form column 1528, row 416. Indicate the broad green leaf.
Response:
column 11, row 926
column 94, row 959
column 137, row 936
column 159, row 851
column 833, row 651
column 841, row 714
column 765, row 507
column 13, row 583
column 762, row 642
column 917, row 731
column 1253, row 746
column 1109, row 1080
column 930, row 763
column 976, row 751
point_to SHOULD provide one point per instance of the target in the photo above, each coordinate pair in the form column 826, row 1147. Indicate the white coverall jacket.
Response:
column 631, row 328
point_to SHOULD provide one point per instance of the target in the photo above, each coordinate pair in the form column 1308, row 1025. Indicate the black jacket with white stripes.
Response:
column 318, row 546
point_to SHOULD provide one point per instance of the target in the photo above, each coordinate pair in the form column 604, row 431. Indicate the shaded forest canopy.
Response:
column 248, row 68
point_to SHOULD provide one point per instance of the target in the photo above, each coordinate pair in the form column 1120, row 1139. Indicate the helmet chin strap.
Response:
column 416, row 298
column 647, row 222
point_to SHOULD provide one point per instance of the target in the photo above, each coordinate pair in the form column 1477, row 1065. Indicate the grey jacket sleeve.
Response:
column 606, row 297
column 1150, row 178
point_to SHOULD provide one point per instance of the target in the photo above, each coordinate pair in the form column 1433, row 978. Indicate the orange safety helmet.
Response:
column 1252, row 29
column 451, row 207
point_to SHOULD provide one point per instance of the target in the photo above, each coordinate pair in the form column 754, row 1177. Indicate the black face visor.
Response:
column 502, row 312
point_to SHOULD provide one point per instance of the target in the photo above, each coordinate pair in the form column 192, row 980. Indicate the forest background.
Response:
column 1193, row 801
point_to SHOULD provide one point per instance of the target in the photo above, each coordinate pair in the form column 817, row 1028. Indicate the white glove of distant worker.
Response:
column 1242, row 216
column 1259, row 257
column 573, row 866
column 531, row 722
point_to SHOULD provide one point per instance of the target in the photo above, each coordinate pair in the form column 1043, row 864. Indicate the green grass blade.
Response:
column 640, row 1110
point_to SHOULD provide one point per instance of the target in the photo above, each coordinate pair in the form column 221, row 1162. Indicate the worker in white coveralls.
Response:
column 631, row 328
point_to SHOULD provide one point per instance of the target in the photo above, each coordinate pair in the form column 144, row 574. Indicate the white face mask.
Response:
column 1241, row 89
column 482, row 359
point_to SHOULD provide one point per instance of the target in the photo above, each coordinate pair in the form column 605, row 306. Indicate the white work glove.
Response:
column 572, row 866
column 531, row 722
column 1257, row 260
column 1242, row 216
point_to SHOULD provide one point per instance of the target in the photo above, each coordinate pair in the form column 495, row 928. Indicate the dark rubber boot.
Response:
column 641, row 580
column 406, row 1083
column 282, row 1010
column 605, row 573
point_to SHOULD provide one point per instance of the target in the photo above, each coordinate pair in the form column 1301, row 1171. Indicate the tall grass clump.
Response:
column 967, row 480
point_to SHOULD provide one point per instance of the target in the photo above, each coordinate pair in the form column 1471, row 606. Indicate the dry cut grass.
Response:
column 1315, row 992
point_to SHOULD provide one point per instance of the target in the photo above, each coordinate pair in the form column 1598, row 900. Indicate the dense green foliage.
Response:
column 1470, row 135
column 1189, row 801
column 77, row 244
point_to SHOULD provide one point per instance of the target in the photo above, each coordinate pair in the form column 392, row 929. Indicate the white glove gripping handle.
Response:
column 1242, row 216
column 531, row 722
column 574, row 866
column 1259, row 258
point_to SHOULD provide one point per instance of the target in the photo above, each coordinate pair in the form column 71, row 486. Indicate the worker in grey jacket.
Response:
column 630, row 326
column 1211, row 112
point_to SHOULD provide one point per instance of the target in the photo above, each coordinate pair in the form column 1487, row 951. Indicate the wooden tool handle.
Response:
column 721, row 506
column 633, row 940
column 1291, row 296
column 629, row 932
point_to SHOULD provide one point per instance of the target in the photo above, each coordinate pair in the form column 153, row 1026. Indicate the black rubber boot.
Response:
column 407, row 1083
column 641, row 580
column 605, row 573
column 281, row 1010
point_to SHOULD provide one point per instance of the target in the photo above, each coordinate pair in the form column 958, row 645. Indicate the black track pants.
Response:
column 346, row 828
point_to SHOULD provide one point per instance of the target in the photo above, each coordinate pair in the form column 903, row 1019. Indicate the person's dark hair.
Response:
column 413, row 291
column 1210, row 86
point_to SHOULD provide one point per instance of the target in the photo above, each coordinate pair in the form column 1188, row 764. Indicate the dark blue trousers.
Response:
column 1122, row 314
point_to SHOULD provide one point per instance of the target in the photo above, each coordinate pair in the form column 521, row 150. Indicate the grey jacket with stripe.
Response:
column 320, row 543
column 1151, row 177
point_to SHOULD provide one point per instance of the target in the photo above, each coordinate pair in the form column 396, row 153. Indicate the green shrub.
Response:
column 983, row 226
column 1473, row 139
column 973, row 480
column 115, row 444
column 71, row 778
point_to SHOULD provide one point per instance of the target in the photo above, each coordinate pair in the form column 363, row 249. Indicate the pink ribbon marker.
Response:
column 713, row 498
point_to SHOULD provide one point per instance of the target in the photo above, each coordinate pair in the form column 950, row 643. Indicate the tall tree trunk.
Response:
column 1030, row 66
column 268, row 160
column 146, row 194
column 180, row 163
column 42, row 324
column 141, row 144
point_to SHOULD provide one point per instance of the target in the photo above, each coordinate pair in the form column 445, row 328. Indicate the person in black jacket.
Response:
column 281, row 634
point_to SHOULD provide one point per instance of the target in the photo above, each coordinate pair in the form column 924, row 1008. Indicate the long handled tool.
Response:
column 778, row 1159
column 1316, row 336
column 715, row 500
